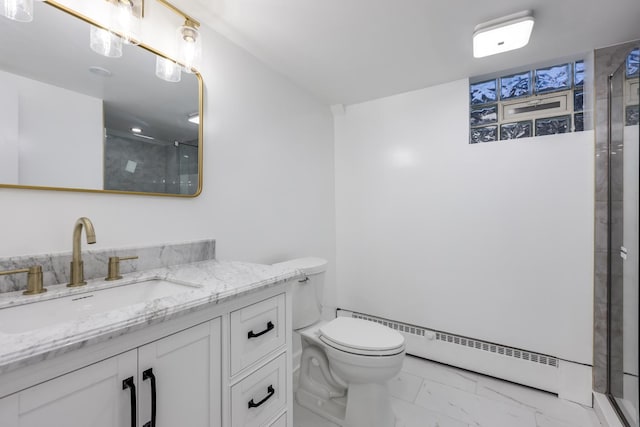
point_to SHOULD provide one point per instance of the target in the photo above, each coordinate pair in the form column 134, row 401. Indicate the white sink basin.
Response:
column 27, row 317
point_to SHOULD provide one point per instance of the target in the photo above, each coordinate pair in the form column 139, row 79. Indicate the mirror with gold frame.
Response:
column 71, row 119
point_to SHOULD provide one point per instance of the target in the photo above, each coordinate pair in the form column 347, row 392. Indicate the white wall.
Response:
column 56, row 127
column 268, row 175
column 8, row 133
column 492, row 241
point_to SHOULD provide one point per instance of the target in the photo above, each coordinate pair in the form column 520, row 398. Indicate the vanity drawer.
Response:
column 256, row 330
column 259, row 397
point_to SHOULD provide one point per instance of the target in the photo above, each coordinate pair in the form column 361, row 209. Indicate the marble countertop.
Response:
column 212, row 282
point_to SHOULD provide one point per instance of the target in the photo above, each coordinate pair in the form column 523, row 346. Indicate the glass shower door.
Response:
column 624, row 176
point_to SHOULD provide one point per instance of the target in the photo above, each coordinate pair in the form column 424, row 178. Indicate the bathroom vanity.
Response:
column 217, row 352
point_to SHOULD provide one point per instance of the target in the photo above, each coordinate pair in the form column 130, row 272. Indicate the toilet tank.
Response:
column 307, row 291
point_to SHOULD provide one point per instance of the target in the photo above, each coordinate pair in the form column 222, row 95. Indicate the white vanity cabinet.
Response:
column 259, row 378
column 118, row 391
column 186, row 371
column 226, row 365
column 91, row 396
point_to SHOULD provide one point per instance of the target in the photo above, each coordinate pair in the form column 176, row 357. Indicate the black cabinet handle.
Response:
column 270, row 391
column 148, row 374
column 129, row 384
column 252, row 334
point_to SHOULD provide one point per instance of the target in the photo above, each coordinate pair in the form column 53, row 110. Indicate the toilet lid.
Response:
column 361, row 336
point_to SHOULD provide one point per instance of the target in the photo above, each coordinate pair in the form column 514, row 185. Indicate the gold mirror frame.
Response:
column 198, row 191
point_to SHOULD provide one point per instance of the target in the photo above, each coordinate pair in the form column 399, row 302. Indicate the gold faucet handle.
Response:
column 114, row 266
column 34, row 279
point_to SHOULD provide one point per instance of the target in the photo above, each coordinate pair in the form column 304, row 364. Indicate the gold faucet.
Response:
column 77, row 266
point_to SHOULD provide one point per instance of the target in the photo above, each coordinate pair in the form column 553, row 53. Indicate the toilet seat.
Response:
column 361, row 337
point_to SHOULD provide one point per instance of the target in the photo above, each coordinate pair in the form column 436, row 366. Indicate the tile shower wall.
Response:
column 607, row 60
column 55, row 267
column 139, row 165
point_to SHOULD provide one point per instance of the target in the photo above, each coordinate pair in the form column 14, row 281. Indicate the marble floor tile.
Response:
column 473, row 409
column 443, row 374
column 430, row 394
column 410, row 415
column 405, row 386
column 302, row 417
column 539, row 401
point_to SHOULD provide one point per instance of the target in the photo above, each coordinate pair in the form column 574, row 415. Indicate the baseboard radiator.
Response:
column 512, row 364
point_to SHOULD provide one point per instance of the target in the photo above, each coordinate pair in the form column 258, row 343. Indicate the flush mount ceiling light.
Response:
column 502, row 34
column 194, row 118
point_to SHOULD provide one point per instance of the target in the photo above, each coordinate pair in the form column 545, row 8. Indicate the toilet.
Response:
column 345, row 363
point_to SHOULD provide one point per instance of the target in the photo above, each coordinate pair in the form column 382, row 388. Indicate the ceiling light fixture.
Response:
column 105, row 42
column 502, row 34
column 17, row 10
column 189, row 41
column 136, row 130
column 194, row 118
column 126, row 20
column 190, row 46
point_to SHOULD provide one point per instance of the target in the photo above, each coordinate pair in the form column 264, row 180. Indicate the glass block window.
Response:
column 483, row 92
column 554, row 78
column 633, row 63
column 578, row 72
column 516, row 130
column 484, row 115
column 632, row 115
column 515, row 86
column 632, row 88
column 578, row 122
column 543, row 101
column 553, row 125
column 578, row 100
column 484, row 134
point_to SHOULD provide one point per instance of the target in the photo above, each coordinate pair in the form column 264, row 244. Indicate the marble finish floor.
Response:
column 429, row 394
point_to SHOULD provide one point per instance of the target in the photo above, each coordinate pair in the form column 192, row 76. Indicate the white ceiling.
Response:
column 350, row 51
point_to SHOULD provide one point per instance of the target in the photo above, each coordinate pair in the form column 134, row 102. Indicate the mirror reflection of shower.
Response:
column 141, row 164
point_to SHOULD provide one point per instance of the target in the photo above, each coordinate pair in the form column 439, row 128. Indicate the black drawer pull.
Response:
column 270, row 391
column 252, row 334
column 129, row 384
column 148, row 375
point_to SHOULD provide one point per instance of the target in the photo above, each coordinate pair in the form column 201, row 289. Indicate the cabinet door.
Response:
column 91, row 396
column 186, row 367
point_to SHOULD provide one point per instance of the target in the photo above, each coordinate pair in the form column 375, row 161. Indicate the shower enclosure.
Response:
column 617, row 177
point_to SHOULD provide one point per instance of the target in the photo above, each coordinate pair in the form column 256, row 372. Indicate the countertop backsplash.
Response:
column 55, row 267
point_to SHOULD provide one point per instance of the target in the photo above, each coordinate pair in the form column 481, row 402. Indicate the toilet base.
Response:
column 333, row 410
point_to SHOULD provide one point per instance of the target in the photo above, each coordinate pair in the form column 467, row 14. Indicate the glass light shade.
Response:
column 190, row 47
column 105, row 42
column 502, row 35
column 125, row 22
column 17, row 10
column 168, row 70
